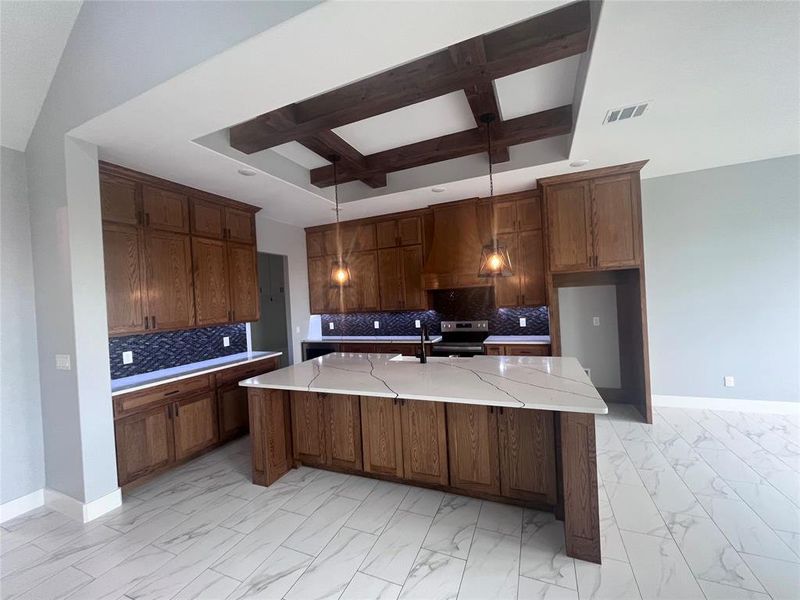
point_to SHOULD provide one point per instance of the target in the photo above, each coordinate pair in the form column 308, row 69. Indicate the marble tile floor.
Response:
column 700, row 505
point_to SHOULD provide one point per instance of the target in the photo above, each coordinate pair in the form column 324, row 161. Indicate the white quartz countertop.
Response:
column 373, row 339
column 146, row 380
column 543, row 383
column 509, row 340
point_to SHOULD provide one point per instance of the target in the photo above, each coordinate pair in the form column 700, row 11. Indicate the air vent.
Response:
column 625, row 112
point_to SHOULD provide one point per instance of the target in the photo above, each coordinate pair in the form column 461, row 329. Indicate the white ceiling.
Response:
column 722, row 79
column 32, row 38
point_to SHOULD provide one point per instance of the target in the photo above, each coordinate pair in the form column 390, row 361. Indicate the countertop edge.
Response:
column 377, row 340
column 171, row 378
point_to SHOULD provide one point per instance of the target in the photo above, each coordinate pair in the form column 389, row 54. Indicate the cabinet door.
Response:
column 207, row 218
column 211, row 289
column 363, row 292
column 270, row 439
column 315, row 244
column 195, row 425
column 391, row 286
column 505, row 216
column 357, row 348
column 413, row 297
column 232, row 411
column 569, row 226
column 532, row 350
column 494, row 350
column 530, row 258
column 322, row 298
column 616, row 222
column 243, row 271
column 144, row 443
column 170, row 293
column 343, row 434
column 529, row 213
column 409, row 231
column 507, row 289
column 241, row 225
column 119, row 202
column 527, row 454
column 381, row 433
column 386, row 234
column 472, row 448
column 125, row 299
column 424, row 441
column 168, row 211
column 308, row 428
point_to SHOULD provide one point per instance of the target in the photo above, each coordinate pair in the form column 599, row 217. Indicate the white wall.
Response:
column 289, row 241
column 22, row 460
column 722, row 252
column 595, row 347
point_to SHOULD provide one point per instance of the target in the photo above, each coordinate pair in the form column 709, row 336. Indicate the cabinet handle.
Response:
column 169, row 410
column 523, row 299
column 233, row 314
column 154, row 321
column 172, row 393
column 146, row 323
column 491, row 410
column 176, row 410
column 147, row 219
column 501, row 410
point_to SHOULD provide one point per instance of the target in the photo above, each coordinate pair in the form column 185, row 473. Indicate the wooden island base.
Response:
column 540, row 459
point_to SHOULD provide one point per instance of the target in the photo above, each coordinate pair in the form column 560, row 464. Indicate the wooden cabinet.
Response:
column 165, row 210
column 405, row 231
column 211, row 286
column 527, row 454
column 400, row 278
column 170, row 291
column 507, row 289
column 119, row 200
column 308, row 428
column 517, row 212
column 343, row 431
column 362, row 294
column 530, row 254
column 473, row 448
column 517, row 349
column 322, row 298
column 195, row 425
column 240, row 226
column 124, row 273
column 424, row 441
column 207, row 218
column 494, row 350
column 144, row 443
column 243, row 273
column 232, row 412
column 594, row 223
column 381, row 434
column 271, row 446
column 389, row 279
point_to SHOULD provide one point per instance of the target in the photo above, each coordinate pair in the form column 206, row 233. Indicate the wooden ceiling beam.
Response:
column 545, row 38
column 326, row 144
column 549, row 123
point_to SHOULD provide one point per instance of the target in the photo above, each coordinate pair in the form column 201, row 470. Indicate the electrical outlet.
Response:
column 330, row 325
column 63, row 362
column 729, row 381
column 596, row 321
column 417, row 323
column 127, row 357
column 523, row 322
column 297, row 329
column 376, row 324
column 226, row 341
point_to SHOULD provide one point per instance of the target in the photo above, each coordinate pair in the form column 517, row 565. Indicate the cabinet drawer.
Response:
column 532, row 350
column 135, row 401
column 240, row 372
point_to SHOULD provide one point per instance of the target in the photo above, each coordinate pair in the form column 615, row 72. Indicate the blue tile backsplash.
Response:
column 155, row 351
column 447, row 305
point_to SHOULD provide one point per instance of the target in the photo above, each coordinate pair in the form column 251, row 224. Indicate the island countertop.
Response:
column 542, row 383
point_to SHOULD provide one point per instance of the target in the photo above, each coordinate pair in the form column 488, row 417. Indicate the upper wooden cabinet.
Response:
column 517, row 212
column 243, row 274
column 211, row 286
column 594, row 223
column 208, row 218
column 400, row 277
column 119, row 200
column 170, row 291
column 350, row 238
column 240, row 226
column 126, row 301
column 165, row 210
column 405, row 231
column 362, row 294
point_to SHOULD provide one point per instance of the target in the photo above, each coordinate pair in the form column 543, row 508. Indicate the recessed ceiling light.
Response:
column 247, row 172
column 438, row 189
column 579, row 163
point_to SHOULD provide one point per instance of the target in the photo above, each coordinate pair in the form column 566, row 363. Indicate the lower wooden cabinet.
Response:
column 473, row 448
column 308, row 428
column 518, row 350
column 195, row 425
column 381, row 435
column 527, row 454
column 144, row 443
column 424, row 441
column 232, row 411
column 271, row 446
column 343, row 431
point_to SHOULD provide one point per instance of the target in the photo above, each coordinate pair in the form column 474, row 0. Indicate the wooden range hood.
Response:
column 460, row 229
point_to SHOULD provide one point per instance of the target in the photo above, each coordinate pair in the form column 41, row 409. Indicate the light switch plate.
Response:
column 226, row 341
column 377, row 324
column 523, row 322
column 63, row 362
column 729, row 381
column 330, row 325
column 596, row 321
column 417, row 323
column 127, row 357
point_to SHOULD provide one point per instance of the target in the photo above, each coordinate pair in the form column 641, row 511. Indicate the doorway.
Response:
column 271, row 332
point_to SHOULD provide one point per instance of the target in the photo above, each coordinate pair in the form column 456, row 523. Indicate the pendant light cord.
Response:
column 489, row 139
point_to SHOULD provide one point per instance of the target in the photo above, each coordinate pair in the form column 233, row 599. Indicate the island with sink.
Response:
column 513, row 429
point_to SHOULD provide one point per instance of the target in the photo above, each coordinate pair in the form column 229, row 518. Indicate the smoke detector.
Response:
column 625, row 112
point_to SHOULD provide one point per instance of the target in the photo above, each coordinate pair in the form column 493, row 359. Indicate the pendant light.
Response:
column 495, row 261
column 340, row 270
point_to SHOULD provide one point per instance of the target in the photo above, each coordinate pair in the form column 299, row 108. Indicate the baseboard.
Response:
column 82, row 512
column 19, row 506
column 777, row 407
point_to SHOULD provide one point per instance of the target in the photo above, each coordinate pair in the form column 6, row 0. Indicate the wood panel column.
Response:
column 270, row 434
column 578, row 468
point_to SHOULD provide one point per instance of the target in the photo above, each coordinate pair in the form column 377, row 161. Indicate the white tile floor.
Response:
column 700, row 505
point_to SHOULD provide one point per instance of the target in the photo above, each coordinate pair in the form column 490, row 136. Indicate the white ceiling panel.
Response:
column 301, row 155
column 537, row 89
column 422, row 121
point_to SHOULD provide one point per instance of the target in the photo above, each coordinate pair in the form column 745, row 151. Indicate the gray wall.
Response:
column 22, row 460
column 595, row 347
column 271, row 331
column 722, row 250
column 116, row 51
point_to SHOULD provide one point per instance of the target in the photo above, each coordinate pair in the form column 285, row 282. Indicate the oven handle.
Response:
column 454, row 348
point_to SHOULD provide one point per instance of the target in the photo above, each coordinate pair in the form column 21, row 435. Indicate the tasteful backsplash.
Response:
column 448, row 305
column 155, row 351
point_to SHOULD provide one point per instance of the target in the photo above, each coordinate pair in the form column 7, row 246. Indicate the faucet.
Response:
column 423, row 335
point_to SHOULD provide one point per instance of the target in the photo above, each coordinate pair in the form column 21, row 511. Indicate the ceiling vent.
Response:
column 625, row 112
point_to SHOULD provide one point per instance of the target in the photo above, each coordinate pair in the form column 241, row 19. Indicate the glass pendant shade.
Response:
column 495, row 261
column 340, row 274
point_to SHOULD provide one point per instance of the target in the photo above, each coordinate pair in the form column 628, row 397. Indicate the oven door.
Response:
column 456, row 349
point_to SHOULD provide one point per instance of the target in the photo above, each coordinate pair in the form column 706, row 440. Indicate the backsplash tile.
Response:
column 447, row 305
column 155, row 351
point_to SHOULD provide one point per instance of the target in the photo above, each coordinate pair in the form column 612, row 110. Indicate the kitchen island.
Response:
column 511, row 429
